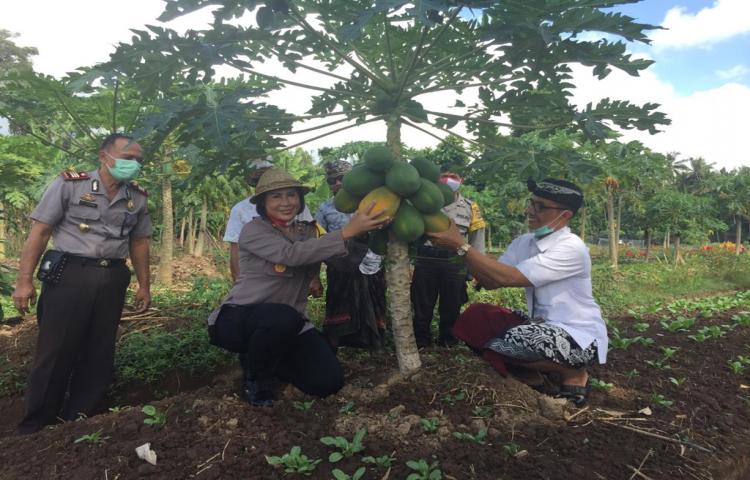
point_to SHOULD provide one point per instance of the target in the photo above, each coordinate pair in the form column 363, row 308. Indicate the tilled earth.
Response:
column 629, row 430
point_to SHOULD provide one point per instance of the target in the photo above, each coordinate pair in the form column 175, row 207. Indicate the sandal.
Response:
column 577, row 395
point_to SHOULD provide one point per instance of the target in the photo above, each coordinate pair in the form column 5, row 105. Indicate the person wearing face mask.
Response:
column 438, row 277
column 563, row 331
column 264, row 316
column 96, row 220
column 355, row 297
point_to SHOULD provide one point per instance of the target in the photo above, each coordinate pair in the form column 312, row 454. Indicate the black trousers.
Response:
column 433, row 278
column 78, row 319
column 271, row 347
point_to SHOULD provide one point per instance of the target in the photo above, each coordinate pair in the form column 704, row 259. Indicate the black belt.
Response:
column 97, row 262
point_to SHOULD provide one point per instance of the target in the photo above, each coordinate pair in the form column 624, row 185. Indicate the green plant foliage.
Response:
column 95, row 438
column 294, row 462
column 423, row 470
column 478, row 438
column 153, row 416
column 345, row 447
column 383, row 461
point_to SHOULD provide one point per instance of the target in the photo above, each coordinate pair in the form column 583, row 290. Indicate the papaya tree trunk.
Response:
column 3, row 231
column 202, row 234
column 611, row 228
column 737, row 239
column 678, row 260
column 489, row 237
column 398, row 280
column 181, row 240
column 648, row 243
column 666, row 242
column 190, row 232
column 166, row 250
column 583, row 223
column 619, row 220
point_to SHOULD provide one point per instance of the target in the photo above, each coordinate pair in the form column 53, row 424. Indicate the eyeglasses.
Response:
column 333, row 180
column 539, row 207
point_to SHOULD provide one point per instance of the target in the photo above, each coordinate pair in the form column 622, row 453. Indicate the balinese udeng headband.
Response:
column 452, row 180
column 560, row 191
column 337, row 168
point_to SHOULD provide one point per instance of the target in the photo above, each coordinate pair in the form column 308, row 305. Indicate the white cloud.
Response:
column 724, row 19
column 736, row 72
column 711, row 124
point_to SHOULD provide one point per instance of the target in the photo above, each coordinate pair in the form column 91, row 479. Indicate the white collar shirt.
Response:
column 559, row 267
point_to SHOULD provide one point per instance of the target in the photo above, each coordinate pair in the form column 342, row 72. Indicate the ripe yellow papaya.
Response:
column 436, row 222
column 384, row 200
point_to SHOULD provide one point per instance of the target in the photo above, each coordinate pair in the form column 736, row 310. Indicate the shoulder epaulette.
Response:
column 72, row 175
column 138, row 188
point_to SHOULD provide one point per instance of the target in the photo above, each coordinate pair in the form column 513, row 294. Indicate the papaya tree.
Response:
column 492, row 64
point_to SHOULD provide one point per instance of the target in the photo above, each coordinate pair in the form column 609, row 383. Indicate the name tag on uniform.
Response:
column 88, row 200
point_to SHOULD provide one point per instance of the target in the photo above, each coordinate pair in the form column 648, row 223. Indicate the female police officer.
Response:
column 264, row 314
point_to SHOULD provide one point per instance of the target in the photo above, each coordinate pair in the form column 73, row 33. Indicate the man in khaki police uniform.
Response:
column 437, row 273
column 96, row 219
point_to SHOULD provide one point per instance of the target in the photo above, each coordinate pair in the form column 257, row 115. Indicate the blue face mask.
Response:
column 124, row 170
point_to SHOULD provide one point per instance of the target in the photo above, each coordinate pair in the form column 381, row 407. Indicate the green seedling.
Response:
column 424, row 470
column 661, row 400
column 679, row 324
column 677, row 381
column 739, row 364
column 479, row 438
column 348, row 409
column 346, row 448
column 511, row 449
column 452, row 399
column 741, row 319
column 119, row 409
column 637, row 316
column 632, row 374
column 597, row 384
column 153, row 416
column 339, row 475
column 383, row 461
column 660, row 364
column 304, row 406
column 640, row 327
column 429, row 425
column 95, row 438
column 669, row 352
column 294, row 462
column 482, row 411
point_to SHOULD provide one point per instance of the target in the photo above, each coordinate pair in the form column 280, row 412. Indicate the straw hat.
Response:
column 276, row 179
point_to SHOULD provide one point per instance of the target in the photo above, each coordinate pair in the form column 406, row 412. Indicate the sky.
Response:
column 701, row 75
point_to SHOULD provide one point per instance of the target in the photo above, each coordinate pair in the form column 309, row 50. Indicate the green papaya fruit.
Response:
column 407, row 225
column 403, row 179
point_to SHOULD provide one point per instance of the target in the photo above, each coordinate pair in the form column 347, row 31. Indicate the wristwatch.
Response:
column 461, row 251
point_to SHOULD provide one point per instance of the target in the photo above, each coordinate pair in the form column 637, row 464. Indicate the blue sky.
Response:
column 694, row 68
column 701, row 77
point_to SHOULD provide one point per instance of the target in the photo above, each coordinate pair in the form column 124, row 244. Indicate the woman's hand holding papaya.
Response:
column 365, row 220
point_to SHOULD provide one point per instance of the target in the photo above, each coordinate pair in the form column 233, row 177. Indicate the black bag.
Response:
column 52, row 265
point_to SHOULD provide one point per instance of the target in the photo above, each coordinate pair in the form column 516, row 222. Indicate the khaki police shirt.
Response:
column 276, row 269
column 86, row 223
column 465, row 214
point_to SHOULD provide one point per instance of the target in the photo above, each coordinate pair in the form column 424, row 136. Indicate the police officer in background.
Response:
column 96, row 219
column 438, row 274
